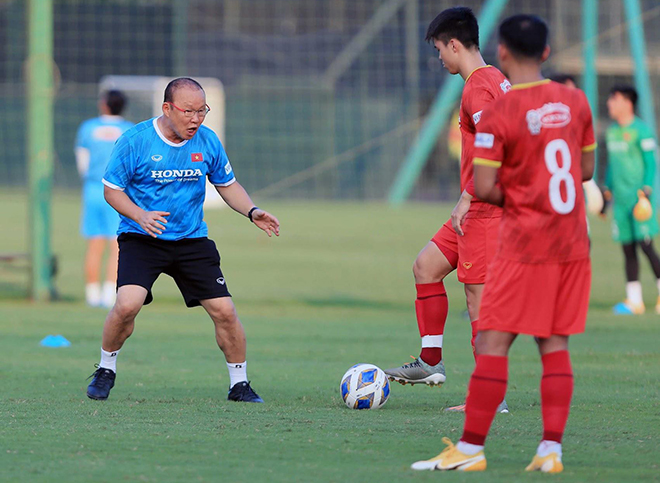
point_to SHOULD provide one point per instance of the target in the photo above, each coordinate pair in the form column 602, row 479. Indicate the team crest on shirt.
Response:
column 551, row 115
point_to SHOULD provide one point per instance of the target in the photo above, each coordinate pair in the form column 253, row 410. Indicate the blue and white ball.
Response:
column 365, row 386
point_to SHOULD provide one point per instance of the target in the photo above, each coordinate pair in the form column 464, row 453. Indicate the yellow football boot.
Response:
column 452, row 459
column 547, row 464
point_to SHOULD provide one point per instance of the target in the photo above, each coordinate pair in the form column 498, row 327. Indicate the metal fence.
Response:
column 323, row 97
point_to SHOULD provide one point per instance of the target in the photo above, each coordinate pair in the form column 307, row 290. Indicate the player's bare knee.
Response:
column 418, row 270
column 426, row 270
column 126, row 311
column 473, row 299
column 551, row 344
column 223, row 314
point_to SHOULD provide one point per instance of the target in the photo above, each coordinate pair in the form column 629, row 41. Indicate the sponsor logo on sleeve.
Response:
column 484, row 140
column 476, row 117
column 648, row 144
column 505, row 86
column 549, row 116
column 228, row 168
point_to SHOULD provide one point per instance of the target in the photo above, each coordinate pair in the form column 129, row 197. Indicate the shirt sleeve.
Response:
column 122, row 165
column 221, row 172
column 476, row 103
column 648, row 147
column 489, row 142
column 469, row 187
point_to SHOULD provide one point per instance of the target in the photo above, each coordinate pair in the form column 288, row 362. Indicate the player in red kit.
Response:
column 533, row 149
column 467, row 241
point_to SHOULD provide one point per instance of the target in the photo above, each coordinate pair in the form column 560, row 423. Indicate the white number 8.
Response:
column 559, row 175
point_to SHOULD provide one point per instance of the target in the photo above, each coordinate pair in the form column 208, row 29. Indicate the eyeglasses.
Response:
column 190, row 113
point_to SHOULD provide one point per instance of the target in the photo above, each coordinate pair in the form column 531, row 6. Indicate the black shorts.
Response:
column 193, row 263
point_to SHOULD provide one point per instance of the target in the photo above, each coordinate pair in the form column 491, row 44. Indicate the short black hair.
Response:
column 455, row 23
column 177, row 84
column 562, row 78
column 627, row 91
column 524, row 35
column 115, row 100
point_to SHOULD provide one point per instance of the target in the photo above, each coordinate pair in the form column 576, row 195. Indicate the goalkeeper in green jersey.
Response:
column 629, row 181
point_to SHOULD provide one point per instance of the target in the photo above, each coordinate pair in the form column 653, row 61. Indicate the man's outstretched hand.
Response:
column 266, row 222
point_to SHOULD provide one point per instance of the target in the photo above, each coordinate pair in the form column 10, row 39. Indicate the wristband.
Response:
column 251, row 211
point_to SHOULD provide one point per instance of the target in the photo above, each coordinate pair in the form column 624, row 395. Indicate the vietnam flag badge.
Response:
column 196, row 157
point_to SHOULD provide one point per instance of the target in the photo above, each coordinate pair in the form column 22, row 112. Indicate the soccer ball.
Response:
column 364, row 386
column 643, row 210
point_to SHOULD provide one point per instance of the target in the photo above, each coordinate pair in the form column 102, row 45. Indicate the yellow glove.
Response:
column 643, row 210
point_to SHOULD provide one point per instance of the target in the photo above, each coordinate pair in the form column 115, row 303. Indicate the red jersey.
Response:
column 482, row 86
column 536, row 135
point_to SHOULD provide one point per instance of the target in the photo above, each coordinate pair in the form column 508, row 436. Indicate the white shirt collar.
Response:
column 162, row 136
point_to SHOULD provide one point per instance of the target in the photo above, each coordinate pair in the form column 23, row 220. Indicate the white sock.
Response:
column 109, row 294
column 237, row 372
column 431, row 341
column 634, row 292
column 109, row 360
column 546, row 447
column 469, row 449
column 658, row 285
column 93, row 294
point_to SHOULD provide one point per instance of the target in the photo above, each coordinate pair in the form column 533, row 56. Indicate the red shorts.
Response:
column 540, row 299
column 470, row 253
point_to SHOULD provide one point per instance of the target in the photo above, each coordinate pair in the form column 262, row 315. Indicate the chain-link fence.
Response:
column 323, row 97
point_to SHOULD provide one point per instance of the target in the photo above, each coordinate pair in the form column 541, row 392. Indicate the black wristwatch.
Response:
column 251, row 211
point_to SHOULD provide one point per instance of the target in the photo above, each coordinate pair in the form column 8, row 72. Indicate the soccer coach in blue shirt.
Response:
column 156, row 181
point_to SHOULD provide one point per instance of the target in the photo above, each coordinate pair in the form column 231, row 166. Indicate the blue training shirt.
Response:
column 159, row 175
column 98, row 136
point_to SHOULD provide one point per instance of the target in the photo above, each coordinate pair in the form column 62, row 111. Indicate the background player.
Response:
column 567, row 79
column 533, row 148
column 156, row 180
column 467, row 240
column 99, row 221
column 630, row 169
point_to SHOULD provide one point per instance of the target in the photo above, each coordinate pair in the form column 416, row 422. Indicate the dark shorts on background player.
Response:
column 471, row 253
column 539, row 299
column 193, row 263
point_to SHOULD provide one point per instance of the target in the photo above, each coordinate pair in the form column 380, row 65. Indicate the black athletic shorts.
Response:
column 193, row 263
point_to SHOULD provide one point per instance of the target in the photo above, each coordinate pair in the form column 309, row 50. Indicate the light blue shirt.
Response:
column 98, row 136
column 159, row 175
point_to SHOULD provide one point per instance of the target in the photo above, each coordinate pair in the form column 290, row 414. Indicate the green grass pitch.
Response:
column 335, row 289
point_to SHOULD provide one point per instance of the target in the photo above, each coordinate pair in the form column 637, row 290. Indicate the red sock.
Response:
column 556, row 393
column 485, row 392
column 474, row 338
column 431, row 308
